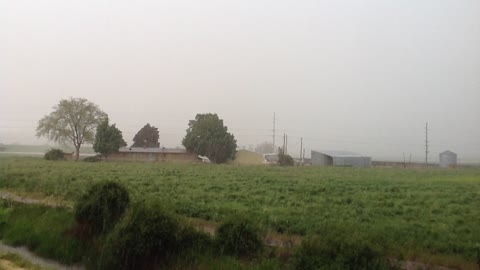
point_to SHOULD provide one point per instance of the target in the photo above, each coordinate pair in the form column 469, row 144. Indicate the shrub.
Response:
column 193, row 241
column 101, row 207
column 54, row 154
column 339, row 251
column 239, row 236
column 285, row 160
column 145, row 237
column 95, row 158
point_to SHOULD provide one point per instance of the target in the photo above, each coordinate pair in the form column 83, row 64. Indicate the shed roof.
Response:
column 151, row 150
column 448, row 152
column 336, row 153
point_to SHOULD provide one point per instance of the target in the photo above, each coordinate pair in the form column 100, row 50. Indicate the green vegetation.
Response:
column 108, row 139
column 95, row 158
column 45, row 231
column 336, row 249
column 101, row 207
column 429, row 213
column 285, row 160
column 73, row 121
column 239, row 236
column 207, row 136
column 54, row 154
column 146, row 137
column 146, row 236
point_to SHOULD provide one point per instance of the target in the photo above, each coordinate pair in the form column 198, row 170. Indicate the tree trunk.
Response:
column 77, row 152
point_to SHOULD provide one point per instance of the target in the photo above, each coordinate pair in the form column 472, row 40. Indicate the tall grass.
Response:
column 43, row 230
column 429, row 211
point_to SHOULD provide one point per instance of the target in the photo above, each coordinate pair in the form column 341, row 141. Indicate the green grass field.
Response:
column 415, row 213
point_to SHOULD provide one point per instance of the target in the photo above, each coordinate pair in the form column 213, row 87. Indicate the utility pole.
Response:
column 426, row 143
column 286, row 144
column 274, row 132
column 301, row 148
column 284, row 140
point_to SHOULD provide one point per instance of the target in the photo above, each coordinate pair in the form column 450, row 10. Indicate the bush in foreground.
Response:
column 145, row 237
column 101, row 207
column 54, row 154
column 339, row 251
column 239, row 236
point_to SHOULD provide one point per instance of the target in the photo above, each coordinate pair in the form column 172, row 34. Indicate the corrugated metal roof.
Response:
column 336, row 153
column 150, row 150
column 448, row 152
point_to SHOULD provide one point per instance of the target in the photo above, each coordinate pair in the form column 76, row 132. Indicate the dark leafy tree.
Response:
column 73, row 121
column 207, row 136
column 146, row 137
column 284, row 159
column 108, row 139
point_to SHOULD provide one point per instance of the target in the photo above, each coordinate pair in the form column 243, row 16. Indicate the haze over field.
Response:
column 362, row 76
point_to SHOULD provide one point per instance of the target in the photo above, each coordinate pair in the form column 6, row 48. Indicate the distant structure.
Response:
column 153, row 154
column 339, row 158
column 270, row 159
column 448, row 159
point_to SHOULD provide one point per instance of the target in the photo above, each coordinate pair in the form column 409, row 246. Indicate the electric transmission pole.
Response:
column 301, row 148
column 274, row 151
column 286, row 144
column 426, row 143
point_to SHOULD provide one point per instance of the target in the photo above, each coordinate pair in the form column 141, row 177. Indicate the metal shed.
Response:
column 447, row 159
column 339, row 158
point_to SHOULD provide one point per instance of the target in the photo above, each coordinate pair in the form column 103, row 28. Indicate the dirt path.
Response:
column 17, row 198
column 271, row 239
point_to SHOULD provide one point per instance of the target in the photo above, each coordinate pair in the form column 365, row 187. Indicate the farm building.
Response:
column 153, row 155
column 447, row 159
column 339, row 158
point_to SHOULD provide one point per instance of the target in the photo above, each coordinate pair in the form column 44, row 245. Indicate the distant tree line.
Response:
column 78, row 121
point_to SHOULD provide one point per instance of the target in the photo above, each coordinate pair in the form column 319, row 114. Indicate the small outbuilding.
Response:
column 447, row 159
column 339, row 158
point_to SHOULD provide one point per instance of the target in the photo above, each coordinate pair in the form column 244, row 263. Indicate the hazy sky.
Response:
column 362, row 76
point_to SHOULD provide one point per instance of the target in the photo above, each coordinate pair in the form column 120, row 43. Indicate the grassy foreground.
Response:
column 416, row 213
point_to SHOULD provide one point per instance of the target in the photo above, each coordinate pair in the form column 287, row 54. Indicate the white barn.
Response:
column 339, row 158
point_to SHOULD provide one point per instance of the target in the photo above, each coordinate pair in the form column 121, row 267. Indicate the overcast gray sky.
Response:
column 352, row 75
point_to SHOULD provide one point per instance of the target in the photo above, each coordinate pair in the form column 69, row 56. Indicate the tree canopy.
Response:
column 108, row 139
column 207, row 136
column 146, row 137
column 73, row 121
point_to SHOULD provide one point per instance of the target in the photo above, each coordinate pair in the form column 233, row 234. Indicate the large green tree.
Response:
column 73, row 121
column 108, row 139
column 207, row 136
column 146, row 137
